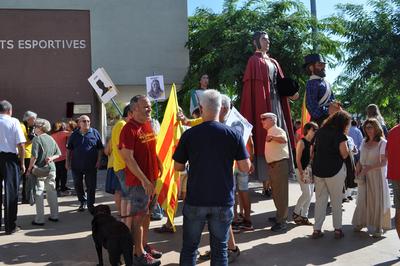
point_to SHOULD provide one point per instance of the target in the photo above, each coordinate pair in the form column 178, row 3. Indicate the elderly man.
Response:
column 137, row 146
column 210, row 161
column 84, row 150
column 277, row 157
column 11, row 145
column 27, row 125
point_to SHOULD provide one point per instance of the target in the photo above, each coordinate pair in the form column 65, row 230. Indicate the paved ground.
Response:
column 69, row 242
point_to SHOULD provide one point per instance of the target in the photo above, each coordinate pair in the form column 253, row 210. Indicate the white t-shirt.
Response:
column 10, row 134
column 275, row 151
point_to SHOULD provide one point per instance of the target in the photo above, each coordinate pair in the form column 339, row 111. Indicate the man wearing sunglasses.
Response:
column 84, row 150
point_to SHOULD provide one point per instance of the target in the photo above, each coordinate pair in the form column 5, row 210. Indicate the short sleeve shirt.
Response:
column 327, row 159
column 44, row 146
column 118, row 162
column 275, row 151
column 10, row 134
column 84, row 148
column 141, row 139
column 210, row 148
column 393, row 153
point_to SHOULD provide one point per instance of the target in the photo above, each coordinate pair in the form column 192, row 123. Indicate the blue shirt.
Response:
column 211, row 148
column 315, row 90
column 84, row 148
column 356, row 135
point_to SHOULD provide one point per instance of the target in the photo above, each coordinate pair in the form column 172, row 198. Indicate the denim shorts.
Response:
column 141, row 203
column 121, row 179
column 242, row 180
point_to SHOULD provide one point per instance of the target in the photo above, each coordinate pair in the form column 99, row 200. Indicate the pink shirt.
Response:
column 61, row 138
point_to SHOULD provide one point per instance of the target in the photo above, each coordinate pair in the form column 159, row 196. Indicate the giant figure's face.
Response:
column 204, row 81
column 318, row 69
column 264, row 43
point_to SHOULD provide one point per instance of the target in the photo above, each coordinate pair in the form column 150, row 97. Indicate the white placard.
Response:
column 82, row 109
column 155, row 88
column 103, row 85
column 237, row 121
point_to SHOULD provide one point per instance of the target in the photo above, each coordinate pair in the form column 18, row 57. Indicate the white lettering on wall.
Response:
column 42, row 44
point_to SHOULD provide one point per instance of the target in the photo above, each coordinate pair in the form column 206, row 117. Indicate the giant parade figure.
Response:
column 262, row 77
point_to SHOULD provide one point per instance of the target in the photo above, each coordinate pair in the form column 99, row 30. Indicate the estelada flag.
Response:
column 168, row 138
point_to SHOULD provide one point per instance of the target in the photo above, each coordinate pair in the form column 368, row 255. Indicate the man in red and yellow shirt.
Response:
column 138, row 149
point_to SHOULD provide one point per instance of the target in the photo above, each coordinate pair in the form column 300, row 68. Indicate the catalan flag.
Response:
column 168, row 138
column 305, row 115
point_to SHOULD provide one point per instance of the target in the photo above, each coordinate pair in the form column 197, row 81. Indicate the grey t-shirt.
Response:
column 44, row 146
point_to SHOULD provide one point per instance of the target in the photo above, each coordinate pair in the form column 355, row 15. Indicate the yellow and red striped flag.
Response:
column 305, row 115
column 168, row 138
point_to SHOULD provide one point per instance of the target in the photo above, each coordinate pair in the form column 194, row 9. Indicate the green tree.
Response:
column 220, row 44
column 371, row 37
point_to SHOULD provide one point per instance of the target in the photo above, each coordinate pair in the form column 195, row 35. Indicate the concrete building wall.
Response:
column 131, row 39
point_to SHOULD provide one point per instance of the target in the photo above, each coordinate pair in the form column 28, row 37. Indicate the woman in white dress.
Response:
column 373, row 202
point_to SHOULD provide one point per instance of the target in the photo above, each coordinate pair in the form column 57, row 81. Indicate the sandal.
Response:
column 338, row 234
column 305, row 221
column 164, row 229
column 317, row 234
column 297, row 219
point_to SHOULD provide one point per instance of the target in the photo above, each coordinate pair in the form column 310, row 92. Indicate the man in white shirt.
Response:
column 277, row 157
column 11, row 145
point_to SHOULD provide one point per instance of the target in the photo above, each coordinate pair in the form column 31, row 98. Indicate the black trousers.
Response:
column 90, row 181
column 24, row 177
column 10, row 174
column 61, row 175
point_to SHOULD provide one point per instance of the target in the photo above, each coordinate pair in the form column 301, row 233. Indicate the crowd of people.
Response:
column 332, row 155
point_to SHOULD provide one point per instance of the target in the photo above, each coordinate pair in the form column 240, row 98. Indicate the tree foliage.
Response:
column 220, row 44
column 371, row 38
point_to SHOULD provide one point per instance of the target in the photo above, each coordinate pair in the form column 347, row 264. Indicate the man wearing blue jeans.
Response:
column 210, row 148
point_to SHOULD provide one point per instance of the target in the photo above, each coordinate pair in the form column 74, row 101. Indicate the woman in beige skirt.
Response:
column 373, row 202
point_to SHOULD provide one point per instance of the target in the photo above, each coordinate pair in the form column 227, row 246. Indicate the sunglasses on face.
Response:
column 85, row 121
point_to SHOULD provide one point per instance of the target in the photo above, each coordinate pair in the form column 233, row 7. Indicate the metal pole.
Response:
column 117, row 107
column 314, row 28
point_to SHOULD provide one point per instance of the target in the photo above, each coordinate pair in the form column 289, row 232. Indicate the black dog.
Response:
column 111, row 234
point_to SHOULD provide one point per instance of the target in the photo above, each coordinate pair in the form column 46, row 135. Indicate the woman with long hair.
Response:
column 373, row 202
column 373, row 112
column 329, row 170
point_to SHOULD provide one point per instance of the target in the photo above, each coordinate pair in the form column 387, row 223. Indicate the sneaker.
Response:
column 152, row 251
column 279, row 227
column 82, row 207
column 205, row 256
column 145, row 259
column 38, row 224
column 272, row 219
column 247, row 226
column 233, row 254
